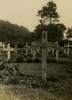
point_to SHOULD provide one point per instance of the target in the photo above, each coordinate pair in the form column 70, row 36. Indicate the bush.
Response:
column 29, row 55
column 2, row 66
column 20, row 59
column 37, row 60
column 13, row 81
column 64, row 55
column 51, row 60
column 29, row 60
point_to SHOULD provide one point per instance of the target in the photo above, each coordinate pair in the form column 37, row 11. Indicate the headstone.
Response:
column 16, row 49
column 44, row 55
column 64, row 49
column 44, row 44
column 68, row 49
column 3, row 45
column 57, row 53
column 38, row 50
column 26, row 48
column 34, row 53
column 8, row 49
column 52, row 50
column 0, row 44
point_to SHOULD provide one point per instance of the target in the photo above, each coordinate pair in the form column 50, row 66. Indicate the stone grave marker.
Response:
column 64, row 49
column 16, row 49
column 8, row 49
column 44, row 44
column 67, row 47
column 27, row 48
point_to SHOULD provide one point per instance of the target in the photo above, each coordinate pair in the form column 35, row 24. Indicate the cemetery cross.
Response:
column 8, row 49
column 26, row 48
column 44, row 44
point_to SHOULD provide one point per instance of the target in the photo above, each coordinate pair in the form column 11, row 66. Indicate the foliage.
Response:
column 36, row 60
column 69, row 33
column 55, row 31
column 20, row 59
column 29, row 60
column 49, row 17
column 13, row 33
column 49, row 13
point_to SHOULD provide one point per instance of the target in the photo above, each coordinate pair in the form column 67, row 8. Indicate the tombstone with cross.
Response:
column 27, row 48
column 67, row 47
column 16, row 49
column 8, row 49
column 44, row 44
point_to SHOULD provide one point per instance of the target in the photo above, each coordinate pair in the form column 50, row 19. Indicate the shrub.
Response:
column 2, row 66
column 29, row 60
column 64, row 55
column 29, row 55
column 37, row 60
column 20, row 59
column 13, row 81
column 51, row 60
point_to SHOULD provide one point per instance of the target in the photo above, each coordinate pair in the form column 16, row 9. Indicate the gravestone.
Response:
column 27, row 48
column 57, row 53
column 8, row 49
column 64, row 49
column 3, row 45
column 44, row 55
column 0, row 44
column 68, row 48
column 52, row 50
column 16, row 49
column 44, row 44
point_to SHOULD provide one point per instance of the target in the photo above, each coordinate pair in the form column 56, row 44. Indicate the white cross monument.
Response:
column 8, row 49
column 26, row 48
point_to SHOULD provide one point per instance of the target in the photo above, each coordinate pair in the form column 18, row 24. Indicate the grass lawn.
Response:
column 57, row 87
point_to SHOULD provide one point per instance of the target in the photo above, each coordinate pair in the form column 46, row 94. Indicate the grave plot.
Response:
column 59, row 80
column 58, row 83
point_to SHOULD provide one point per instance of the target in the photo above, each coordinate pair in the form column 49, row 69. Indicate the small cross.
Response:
column 27, row 48
column 2, row 45
column 8, row 49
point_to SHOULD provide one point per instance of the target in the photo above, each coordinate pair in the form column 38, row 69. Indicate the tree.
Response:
column 56, row 30
column 69, row 33
column 12, row 33
column 48, row 13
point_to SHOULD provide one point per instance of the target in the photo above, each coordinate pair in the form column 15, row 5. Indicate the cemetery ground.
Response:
column 22, row 81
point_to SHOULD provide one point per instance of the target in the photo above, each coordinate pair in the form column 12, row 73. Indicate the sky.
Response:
column 24, row 12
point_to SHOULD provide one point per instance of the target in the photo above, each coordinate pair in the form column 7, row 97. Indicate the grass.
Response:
column 29, row 86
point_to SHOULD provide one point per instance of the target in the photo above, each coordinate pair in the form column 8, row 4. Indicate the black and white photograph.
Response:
column 35, row 49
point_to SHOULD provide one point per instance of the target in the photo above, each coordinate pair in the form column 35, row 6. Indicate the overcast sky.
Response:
column 24, row 12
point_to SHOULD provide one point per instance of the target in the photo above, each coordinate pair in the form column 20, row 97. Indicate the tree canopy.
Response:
column 49, row 17
column 69, row 33
column 55, row 29
column 13, row 33
column 49, row 13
